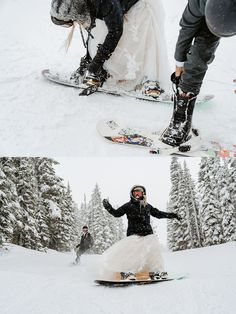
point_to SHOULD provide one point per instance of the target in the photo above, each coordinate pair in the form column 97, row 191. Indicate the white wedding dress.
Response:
column 132, row 254
column 141, row 52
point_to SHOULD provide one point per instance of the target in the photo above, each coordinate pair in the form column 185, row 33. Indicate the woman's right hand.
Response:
column 106, row 204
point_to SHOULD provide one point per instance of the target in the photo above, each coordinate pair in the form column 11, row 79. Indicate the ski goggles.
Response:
column 62, row 23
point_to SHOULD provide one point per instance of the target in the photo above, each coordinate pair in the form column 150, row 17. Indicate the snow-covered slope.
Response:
column 39, row 118
column 34, row 282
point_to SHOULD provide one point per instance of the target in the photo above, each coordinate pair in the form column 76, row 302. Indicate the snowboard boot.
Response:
column 180, row 125
column 127, row 276
column 152, row 88
column 78, row 75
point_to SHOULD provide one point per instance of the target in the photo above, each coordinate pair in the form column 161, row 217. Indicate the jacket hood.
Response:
column 71, row 10
column 142, row 201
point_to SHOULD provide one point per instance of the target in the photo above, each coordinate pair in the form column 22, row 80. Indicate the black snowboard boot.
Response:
column 181, row 122
column 78, row 75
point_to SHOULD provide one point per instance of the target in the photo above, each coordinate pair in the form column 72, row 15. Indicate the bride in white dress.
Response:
column 140, row 54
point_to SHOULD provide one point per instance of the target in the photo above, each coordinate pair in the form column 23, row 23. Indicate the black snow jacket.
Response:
column 191, row 22
column 110, row 11
column 139, row 217
column 86, row 242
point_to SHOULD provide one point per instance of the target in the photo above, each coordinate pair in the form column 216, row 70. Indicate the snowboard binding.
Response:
column 152, row 89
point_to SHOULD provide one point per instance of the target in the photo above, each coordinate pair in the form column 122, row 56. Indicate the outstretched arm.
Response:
column 159, row 214
column 114, row 212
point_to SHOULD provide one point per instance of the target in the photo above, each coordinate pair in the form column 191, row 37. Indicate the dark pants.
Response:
column 201, row 53
column 78, row 254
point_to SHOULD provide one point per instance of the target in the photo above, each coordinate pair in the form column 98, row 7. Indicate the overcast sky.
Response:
column 116, row 176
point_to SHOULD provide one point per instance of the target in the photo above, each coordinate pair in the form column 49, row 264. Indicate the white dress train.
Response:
column 132, row 254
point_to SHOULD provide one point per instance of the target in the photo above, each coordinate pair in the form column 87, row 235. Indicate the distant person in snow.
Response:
column 203, row 23
column 125, row 42
column 140, row 251
column 235, row 89
column 86, row 242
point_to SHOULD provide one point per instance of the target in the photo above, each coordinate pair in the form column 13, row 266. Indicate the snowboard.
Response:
column 115, row 133
column 64, row 79
column 125, row 283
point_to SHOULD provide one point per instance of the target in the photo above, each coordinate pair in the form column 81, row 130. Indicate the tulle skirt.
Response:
column 132, row 254
column 141, row 51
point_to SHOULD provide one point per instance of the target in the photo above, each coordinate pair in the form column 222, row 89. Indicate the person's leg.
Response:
column 78, row 255
column 201, row 54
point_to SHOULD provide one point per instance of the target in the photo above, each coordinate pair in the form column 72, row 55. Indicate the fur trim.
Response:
column 71, row 10
column 143, row 201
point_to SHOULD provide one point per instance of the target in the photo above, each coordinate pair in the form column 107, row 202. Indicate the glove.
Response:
column 177, row 217
column 175, row 79
column 96, row 74
column 174, row 216
column 106, row 204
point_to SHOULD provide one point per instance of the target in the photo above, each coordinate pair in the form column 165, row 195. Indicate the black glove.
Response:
column 177, row 217
column 106, row 204
column 175, row 79
column 95, row 72
column 174, row 216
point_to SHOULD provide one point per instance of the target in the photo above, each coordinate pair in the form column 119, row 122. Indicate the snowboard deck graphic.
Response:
column 115, row 133
column 64, row 79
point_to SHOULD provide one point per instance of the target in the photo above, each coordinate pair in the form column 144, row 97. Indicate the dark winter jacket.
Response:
column 86, row 242
column 191, row 21
column 110, row 11
column 139, row 217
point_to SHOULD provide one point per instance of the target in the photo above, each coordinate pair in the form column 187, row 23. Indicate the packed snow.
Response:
column 36, row 282
column 41, row 118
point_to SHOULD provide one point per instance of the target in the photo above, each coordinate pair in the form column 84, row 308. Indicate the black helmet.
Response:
column 137, row 188
column 221, row 17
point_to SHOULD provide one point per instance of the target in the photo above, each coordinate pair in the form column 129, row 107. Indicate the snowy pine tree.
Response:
column 51, row 194
column 210, row 211
column 178, row 232
column 27, row 189
column 10, row 214
column 232, row 181
column 192, row 208
column 229, row 219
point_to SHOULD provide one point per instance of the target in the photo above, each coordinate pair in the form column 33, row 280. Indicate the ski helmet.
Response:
column 69, row 11
column 221, row 17
column 137, row 188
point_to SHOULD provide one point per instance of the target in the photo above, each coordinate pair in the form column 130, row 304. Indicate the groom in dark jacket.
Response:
column 86, row 242
column 203, row 23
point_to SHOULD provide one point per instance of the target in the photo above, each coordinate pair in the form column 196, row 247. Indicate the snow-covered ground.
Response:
column 34, row 283
column 39, row 118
